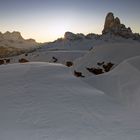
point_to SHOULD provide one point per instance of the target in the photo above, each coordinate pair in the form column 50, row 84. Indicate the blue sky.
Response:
column 46, row 20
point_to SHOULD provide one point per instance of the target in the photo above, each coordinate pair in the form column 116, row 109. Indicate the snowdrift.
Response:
column 121, row 83
column 40, row 101
column 108, row 52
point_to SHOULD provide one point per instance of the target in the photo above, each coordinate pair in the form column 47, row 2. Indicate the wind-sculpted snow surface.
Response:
column 113, row 53
column 121, row 83
column 41, row 101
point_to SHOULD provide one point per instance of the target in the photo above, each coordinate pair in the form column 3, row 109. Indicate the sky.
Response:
column 47, row 20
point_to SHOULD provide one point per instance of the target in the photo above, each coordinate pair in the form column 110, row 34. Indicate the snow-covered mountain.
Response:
column 13, row 43
column 72, row 41
column 121, row 43
column 113, row 31
column 73, row 46
column 40, row 100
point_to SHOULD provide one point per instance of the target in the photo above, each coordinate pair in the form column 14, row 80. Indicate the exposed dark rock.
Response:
column 23, row 60
column 54, row 59
column 7, row 61
column 107, row 67
column 69, row 63
column 78, row 74
column 1, row 62
column 95, row 71
column 26, row 54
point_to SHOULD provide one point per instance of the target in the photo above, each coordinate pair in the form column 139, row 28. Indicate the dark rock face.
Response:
column 54, row 59
column 113, row 25
column 78, row 74
column 95, row 71
column 102, row 68
column 7, row 61
column 109, row 21
column 72, row 37
column 107, row 67
column 4, row 61
column 1, row 62
column 69, row 63
column 23, row 60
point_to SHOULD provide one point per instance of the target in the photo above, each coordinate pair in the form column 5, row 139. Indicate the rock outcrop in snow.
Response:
column 113, row 25
column 106, row 57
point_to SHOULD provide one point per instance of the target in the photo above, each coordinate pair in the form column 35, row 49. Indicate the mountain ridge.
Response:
column 12, row 43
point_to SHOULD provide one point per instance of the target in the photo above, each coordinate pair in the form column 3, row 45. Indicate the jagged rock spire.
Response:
column 114, row 26
column 108, row 22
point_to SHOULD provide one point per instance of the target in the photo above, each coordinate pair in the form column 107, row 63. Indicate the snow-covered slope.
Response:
column 121, row 83
column 71, row 47
column 65, row 44
column 45, row 101
column 41, row 101
column 61, row 57
column 72, row 41
column 106, row 53
column 113, row 30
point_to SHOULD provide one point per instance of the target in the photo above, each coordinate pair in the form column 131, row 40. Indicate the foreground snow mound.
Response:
column 41, row 101
column 113, row 53
column 121, row 83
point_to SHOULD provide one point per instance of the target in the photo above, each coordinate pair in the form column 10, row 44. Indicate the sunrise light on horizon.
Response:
column 47, row 20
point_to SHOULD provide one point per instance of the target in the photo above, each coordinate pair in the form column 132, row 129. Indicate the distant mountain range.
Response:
column 13, row 43
column 113, row 31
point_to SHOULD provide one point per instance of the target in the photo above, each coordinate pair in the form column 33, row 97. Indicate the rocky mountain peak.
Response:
column 113, row 25
column 12, row 36
column 71, row 36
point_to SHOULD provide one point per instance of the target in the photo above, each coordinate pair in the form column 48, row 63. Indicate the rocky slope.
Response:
column 114, row 26
column 13, row 43
column 118, row 44
column 72, row 46
column 113, row 31
column 105, row 57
